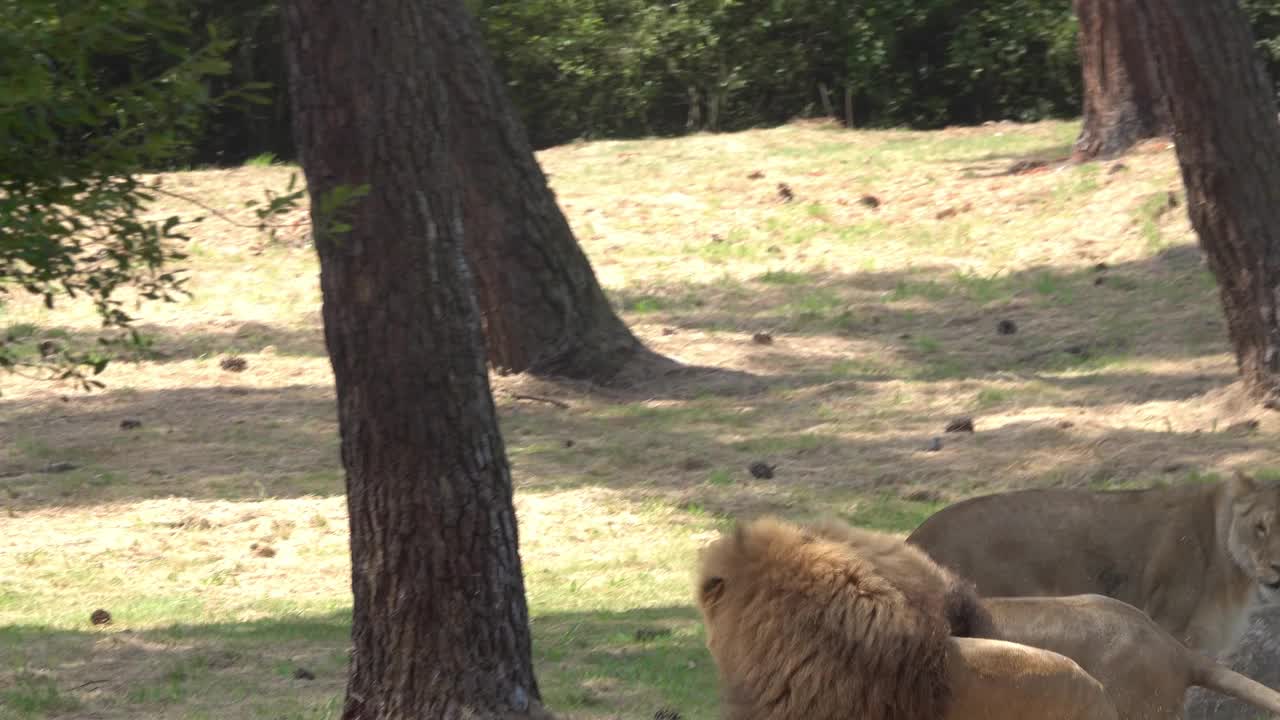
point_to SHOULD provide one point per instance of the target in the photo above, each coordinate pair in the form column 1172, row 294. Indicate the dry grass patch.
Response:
column 1063, row 308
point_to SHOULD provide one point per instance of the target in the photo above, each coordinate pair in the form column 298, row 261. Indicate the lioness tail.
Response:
column 1215, row 676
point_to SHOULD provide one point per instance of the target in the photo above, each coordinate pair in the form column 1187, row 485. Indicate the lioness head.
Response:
column 1254, row 539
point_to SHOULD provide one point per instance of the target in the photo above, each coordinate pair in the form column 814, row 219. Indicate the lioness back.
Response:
column 1193, row 557
column 1042, row 542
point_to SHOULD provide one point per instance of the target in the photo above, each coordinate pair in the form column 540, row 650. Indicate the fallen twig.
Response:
column 537, row 398
column 87, row 684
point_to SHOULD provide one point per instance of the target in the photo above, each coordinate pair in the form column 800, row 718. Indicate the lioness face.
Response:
column 1255, row 535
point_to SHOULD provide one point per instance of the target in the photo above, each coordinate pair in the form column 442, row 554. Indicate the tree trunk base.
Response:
column 1122, row 94
column 623, row 361
column 643, row 366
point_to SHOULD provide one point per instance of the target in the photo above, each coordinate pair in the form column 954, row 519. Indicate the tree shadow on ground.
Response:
column 704, row 461
column 937, row 324
column 244, row 669
column 630, row 663
column 996, row 164
column 279, row 443
column 227, row 442
column 163, row 344
column 863, row 371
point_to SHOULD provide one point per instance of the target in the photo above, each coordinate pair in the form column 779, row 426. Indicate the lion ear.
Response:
column 1241, row 484
column 712, row 590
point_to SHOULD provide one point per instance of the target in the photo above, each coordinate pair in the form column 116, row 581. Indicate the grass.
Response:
column 884, row 329
column 34, row 695
column 264, row 160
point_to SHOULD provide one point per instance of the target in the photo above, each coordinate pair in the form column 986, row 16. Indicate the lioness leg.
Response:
column 997, row 680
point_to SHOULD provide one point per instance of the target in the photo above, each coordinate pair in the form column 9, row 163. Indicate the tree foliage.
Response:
column 1264, row 17
column 619, row 68
column 91, row 95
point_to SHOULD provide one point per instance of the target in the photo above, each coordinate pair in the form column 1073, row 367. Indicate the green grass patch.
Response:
column 854, row 367
column 817, row 302
column 926, row 345
column 1048, row 283
column 720, row 476
column 990, row 397
column 34, row 696
column 783, row 277
column 265, row 159
column 907, row 289
column 985, row 289
column 21, row 331
column 891, row 514
column 644, row 660
column 1149, row 214
column 643, row 304
column 818, row 211
column 779, row 444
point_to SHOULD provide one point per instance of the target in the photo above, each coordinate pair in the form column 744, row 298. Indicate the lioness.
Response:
column 1195, row 558
column 828, row 623
column 1145, row 671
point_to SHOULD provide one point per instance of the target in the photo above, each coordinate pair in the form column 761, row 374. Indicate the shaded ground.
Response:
column 214, row 528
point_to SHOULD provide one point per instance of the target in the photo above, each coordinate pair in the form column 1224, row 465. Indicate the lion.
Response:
column 805, row 623
column 1197, row 558
column 1145, row 670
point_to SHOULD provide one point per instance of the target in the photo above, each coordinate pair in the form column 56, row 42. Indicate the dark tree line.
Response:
column 612, row 68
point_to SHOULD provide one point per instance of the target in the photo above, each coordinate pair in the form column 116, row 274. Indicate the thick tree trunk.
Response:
column 542, row 308
column 1123, row 100
column 1228, row 145
column 440, row 625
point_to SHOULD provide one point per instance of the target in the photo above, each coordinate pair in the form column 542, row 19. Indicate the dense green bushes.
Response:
column 611, row 68
column 608, row 67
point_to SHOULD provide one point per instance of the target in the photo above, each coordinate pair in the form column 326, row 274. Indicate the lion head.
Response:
column 1254, row 535
column 823, row 624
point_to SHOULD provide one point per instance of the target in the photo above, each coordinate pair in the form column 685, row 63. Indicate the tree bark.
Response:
column 542, row 308
column 439, row 624
column 1123, row 99
column 1228, row 145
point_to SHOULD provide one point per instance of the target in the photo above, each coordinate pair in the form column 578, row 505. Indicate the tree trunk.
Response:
column 1123, row 100
column 824, row 94
column 1228, row 145
column 542, row 308
column 439, row 623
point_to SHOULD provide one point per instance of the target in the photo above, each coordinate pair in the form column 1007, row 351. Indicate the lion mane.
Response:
column 830, row 622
